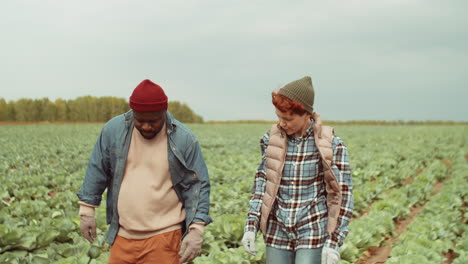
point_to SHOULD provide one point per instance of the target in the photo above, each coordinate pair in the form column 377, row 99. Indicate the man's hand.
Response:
column 88, row 227
column 191, row 246
column 330, row 256
column 248, row 240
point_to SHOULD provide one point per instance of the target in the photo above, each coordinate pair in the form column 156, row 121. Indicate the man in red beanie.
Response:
column 157, row 183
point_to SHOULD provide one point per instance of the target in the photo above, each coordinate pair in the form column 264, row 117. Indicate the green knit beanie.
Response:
column 300, row 91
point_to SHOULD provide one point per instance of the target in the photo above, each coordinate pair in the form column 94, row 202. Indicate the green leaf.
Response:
column 94, row 252
column 39, row 260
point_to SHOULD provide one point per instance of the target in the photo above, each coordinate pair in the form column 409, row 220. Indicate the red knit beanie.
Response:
column 147, row 97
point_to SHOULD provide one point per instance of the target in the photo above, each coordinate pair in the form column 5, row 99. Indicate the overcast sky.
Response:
column 369, row 60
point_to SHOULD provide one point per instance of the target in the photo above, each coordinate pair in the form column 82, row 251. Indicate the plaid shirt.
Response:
column 298, row 219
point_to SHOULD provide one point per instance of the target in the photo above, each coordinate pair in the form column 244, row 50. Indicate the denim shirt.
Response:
column 187, row 168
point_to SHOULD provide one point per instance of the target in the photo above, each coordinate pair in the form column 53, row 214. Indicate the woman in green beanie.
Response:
column 302, row 200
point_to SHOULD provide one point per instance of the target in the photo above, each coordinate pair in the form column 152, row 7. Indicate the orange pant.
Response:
column 162, row 248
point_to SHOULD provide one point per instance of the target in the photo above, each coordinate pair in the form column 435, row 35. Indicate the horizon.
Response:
column 237, row 120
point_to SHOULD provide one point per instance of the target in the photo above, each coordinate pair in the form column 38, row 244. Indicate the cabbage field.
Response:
column 410, row 187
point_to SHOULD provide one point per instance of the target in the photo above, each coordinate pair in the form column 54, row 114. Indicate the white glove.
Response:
column 330, row 256
column 248, row 240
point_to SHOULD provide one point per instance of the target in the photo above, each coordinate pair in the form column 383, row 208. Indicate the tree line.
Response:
column 81, row 109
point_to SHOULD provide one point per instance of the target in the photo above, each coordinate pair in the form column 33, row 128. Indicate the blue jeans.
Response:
column 301, row 256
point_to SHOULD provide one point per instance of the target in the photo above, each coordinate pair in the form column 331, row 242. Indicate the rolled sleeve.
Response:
column 96, row 177
column 342, row 170
column 195, row 160
column 254, row 214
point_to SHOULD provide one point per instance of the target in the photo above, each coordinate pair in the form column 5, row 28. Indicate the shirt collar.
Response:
column 309, row 132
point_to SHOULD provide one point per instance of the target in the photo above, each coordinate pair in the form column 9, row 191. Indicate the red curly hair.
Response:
column 285, row 104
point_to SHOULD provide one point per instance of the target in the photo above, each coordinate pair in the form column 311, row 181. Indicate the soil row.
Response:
column 380, row 254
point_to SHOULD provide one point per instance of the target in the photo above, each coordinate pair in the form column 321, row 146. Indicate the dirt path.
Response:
column 380, row 254
column 369, row 206
column 450, row 255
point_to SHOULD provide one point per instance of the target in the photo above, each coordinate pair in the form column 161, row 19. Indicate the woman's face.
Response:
column 292, row 123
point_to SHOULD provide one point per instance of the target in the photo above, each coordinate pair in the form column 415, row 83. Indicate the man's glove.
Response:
column 88, row 227
column 330, row 256
column 191, row 246
column 248, row 240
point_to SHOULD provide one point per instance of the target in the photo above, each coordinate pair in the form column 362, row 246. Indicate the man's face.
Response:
column 149, row 123
column 292, row 123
